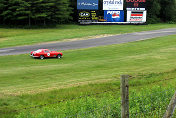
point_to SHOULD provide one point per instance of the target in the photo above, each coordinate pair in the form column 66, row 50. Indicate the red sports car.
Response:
column 43, row 53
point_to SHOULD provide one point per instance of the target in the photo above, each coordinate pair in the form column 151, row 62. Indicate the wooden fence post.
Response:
column 170, row 110
column 124, row 96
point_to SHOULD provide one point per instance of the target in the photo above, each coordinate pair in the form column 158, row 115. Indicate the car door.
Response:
column 52, row 54
column 47, row 53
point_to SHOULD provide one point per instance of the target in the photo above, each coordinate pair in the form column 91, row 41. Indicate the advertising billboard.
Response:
column 87, row 4
column 136, row 4
column 135, row 9
column 114, row 16
column 87, row 16
column 112, row 4
column 136, row 16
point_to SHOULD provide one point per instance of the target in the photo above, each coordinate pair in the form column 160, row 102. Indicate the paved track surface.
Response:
column 116, row 39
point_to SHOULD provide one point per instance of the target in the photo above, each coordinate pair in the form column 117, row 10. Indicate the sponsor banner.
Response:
column 87, row 4
column 135, row 9
column 87, row 16
column 136, row 3
column 112, row 4
column 114, row 16
column 136, row 16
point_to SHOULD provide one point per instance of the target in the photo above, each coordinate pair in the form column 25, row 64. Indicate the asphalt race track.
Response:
column 116, row 39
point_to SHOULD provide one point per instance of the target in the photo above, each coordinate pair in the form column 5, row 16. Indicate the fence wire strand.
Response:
column 60, row 101
column 142, row 111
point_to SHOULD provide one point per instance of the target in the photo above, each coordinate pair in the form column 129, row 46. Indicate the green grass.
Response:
column 26, row 82
column 149, row 86
column 22, row 74
column 16, row 37
column 144, row 104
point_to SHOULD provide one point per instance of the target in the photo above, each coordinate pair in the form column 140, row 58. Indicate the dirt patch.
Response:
column 3, row 39
column 89, row 37
column 76, row 39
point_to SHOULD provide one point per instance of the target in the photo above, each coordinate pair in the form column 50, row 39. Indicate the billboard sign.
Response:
column 87, row 4
column 114, row 16
column 136, row 16
column 135, row 9
column 136, row 3
column 112, row 4
column 87, row 16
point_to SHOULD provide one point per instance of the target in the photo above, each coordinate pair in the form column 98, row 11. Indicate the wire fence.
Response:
column 152, row 105
column 79, row 97
column 64, row 100
column 145, row 105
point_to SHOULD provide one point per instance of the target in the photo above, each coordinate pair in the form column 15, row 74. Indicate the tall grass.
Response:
column 146, row 103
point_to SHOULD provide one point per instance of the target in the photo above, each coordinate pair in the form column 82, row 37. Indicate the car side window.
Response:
column 46, row 51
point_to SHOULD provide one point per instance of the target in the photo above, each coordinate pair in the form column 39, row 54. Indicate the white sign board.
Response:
column 135, row 9
column 112, row 4
column 136, row 16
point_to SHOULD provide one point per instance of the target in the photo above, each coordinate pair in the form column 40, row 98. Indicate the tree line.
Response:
column 34, row 12
column 37, row 12
column 161, row 11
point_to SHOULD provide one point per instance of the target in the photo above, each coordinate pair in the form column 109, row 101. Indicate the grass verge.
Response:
column 17, row 37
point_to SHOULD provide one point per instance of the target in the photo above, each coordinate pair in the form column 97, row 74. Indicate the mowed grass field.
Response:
column 22, row 74
column 17, row 37
column 26, row 82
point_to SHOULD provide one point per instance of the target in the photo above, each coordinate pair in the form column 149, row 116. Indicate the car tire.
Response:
column 42, row 57
column 59, row 56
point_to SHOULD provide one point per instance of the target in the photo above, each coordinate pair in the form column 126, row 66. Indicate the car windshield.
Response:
column 38, row 51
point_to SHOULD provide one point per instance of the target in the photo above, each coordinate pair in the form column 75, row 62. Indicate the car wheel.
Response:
column 59, row 56
column 42, row 57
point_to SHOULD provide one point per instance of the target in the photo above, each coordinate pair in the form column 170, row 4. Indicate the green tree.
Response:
column 2, row 7
column 62, row 11
column 14, row 11
column 73, row 5
column 35, row 12
column 153, row 11
column 168, row 10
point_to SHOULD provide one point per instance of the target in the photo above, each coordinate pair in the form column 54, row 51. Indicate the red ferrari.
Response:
column 44, row 53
